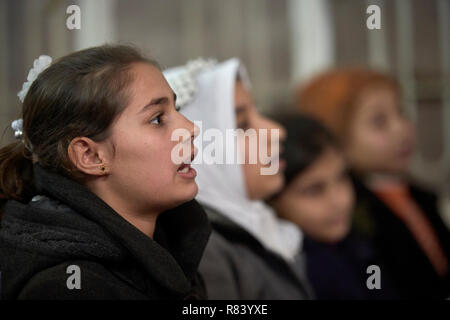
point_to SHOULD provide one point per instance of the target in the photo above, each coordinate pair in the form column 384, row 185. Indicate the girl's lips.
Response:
column 281, row 164
column 339, row 218
column 405, row 152
column 186, row 171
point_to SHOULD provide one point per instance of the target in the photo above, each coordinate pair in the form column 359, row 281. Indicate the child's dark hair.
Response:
column 306, row 141
column 78, row 95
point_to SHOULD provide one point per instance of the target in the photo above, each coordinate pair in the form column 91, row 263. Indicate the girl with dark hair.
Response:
column 93, row 206
column 319, row 198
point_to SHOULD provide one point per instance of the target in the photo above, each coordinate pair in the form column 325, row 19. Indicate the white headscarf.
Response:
column 222, row 186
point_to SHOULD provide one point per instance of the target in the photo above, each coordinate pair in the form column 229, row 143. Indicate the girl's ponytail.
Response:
column 16, row 173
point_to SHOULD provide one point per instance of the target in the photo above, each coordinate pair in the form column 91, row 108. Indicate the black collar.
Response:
column 181, row 234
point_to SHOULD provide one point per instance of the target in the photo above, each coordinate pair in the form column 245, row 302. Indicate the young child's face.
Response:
column 141, row 167
column 381, row 139
column 320, row 199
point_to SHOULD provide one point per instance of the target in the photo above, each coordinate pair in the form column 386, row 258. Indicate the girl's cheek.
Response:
column 410, row 133
column 377, row 141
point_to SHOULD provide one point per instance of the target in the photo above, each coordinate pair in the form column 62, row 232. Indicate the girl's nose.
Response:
column 275, row 125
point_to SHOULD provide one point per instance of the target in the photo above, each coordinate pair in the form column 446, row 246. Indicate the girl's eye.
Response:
column 379, row 121
column 156, row 120
column 243, row 125
column 314, row 190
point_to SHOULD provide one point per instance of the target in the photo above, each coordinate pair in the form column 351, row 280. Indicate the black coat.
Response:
column 338, row 271
column 399, row 255
column 70, row 225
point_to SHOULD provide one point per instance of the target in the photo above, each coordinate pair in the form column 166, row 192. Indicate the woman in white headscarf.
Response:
column 251, row 254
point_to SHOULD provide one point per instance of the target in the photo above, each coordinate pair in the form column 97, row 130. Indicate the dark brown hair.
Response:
column 78, row 95
column 307, row 139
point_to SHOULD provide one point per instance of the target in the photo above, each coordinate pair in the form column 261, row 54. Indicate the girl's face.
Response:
column 247, row 117
column 140, row 166
column 320, row 199
column 381, row 139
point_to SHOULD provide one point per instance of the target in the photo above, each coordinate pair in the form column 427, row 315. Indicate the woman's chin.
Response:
column 265, row 189
column 188, row 192
column 334, row 237
column 276, row 185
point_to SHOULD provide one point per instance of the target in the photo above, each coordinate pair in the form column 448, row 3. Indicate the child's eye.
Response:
column 314, row 190
column 156, row 120
column 243, row 125
column 380, row 121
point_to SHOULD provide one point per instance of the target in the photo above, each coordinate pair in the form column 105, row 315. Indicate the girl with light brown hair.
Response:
column 364, row 109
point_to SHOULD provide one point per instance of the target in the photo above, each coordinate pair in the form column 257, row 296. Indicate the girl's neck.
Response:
column 142, row 220
column 383, row 180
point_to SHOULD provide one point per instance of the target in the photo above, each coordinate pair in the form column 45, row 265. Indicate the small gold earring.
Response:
column 102, row 168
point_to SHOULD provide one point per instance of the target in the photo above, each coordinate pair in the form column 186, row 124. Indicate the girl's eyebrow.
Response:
column 156, row 101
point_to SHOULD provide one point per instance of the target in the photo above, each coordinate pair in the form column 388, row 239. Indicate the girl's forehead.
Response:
column 148, row 84
column 145, row 73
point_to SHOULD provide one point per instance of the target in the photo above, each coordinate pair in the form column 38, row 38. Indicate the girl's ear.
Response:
column 87, row 156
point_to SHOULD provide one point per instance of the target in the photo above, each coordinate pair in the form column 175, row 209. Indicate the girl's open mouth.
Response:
column 186, row 171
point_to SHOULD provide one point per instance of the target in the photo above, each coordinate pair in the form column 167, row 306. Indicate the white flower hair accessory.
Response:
column 184, row 83
column 39, row 65
column 17, row 127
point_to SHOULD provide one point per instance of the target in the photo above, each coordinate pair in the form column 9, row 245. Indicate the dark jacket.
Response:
column 236, row 266
column 400, row 256
column 338, row 271
column 70, row 225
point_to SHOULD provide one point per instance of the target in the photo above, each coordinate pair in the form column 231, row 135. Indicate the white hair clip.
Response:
column 17, row 126
column 184, row 83
column 39, row 65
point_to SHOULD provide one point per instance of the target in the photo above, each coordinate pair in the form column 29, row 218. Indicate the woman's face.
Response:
column 320, row 199
column 258, row 186
column 381, row 139
column 140, row 166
